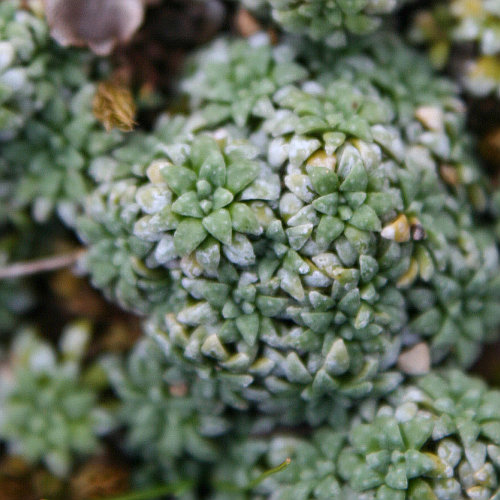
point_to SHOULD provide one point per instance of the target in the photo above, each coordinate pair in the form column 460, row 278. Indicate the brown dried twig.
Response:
column 53, row 263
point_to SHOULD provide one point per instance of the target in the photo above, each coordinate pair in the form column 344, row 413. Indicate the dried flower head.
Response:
column 114, row 106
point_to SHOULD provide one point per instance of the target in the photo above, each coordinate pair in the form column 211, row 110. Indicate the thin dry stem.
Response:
column 41, row 265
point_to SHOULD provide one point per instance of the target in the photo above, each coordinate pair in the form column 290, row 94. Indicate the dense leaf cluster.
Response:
column 315, row 215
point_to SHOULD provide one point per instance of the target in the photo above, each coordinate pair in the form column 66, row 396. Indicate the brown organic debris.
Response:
column 21, row 481
column 100, row 478
column 417, row 231
column 98, row 24
column 246, row 24
column 47, row 264
column 121, row 335
column 76, row 295
column 490, row 148
column 114, row 106
column 47, row 485
column 15, row 489
column 449, row 174
column 179, row 390
column 14, row 466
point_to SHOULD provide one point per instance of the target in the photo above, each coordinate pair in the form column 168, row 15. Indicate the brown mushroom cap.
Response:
column 100, row 24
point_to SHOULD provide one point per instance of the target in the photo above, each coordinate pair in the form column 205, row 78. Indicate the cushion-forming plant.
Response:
column 303, row 259
column 49, row 413
column 48, row 132
column 328, row 21
column 434, row 438
column 315, row 217
column 168, row 416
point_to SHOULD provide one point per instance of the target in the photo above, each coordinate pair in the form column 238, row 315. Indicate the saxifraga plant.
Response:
column 48, row 132
column 303, row 227
column 315, row 216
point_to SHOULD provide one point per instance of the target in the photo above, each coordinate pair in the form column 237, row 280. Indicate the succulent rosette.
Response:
column 327, row 21
column 167, row 416
column 233, row 80
column 50, row 413
column 23, row 47
column 373, row 246
column 48, row 132
column 435, row 438
column 312, row 246
column 205, row 191
column 302, row 261
column 116, row 257
column 196, row 202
